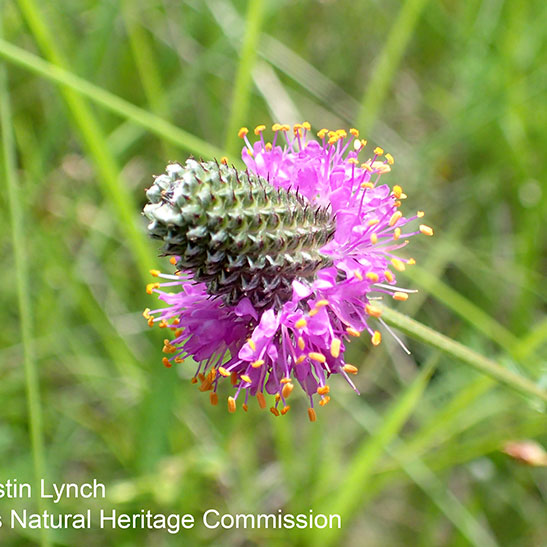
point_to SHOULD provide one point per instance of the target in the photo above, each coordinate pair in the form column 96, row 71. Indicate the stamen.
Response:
column 335, row 347
column 353, row 332
column 399, row 265
column 274, row 411
column 403, row 296
column 301, row 323
column 373, row 311
column 231, row 405
column 323, row 390
column 315, row 356
column 350, row 369
column 258, row 363
column 214, row 398
column 287, row 389
column 372, row 276
column 311, row 415
column 426, row 230
column 376, row 338
column 261, row 400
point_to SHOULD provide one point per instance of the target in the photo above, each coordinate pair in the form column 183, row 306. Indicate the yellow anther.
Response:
column 261, row 400
column 323, row 390
column 268, row 146
column 322, row 132
column 233, row 378
column 354, row 132
column 313, row 312
column 372, row 276
column 332, row 134
column 301, row 343
column 297, row 126
column 214, row 398
column 390, row 159
column 321, row 303
column 285, row 127
column 274, row 411
column 311, row 415
column 399, row 265
column 353, row 332
column 353, row 161
column 146, row 313
column 213, row 374
column 300, row 359
column 376, row 338
column 389, row 276
column 242, row 132
column 277, row 397
column 370, row 186
column 301, row 323
column 223, row 372
column 397, row 191
column 259, row 129
column 166, row 362
column 252, row 344
column 395, row 217
column 173, row 260
column 358, row 275
column 373, row 311
column 315, row 356
column 179, row 360
column 287, row 389
column 306, row 126
column 426, row 230
column 367, row 167
column 378, row 151
column 231, row 405
column 420, row 214
column 397, row 203
column 400, row 296
column 350, row 369
column 224, row 160
column 154, row 273
column 363, row 142
column 163, row 324
column 276, row 127
column 285, row 409
column 373, row 222
column 333, row 140
column 244, row 407
column 194, row 380
column 324, row 400
column 373, row 239
column 178, row 332
column 245, row 378
column 285, row 380
column 258, row 363
column 342, row 133
column 168, row 348
column 335, row 347
column 151, row 286
column 151, row 322
column 381, row 167
column 396, row 233
column 410, row 262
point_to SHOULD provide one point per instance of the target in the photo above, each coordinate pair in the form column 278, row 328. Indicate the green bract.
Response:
column 236, row 232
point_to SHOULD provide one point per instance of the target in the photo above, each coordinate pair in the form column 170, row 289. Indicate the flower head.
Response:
column 278, row 266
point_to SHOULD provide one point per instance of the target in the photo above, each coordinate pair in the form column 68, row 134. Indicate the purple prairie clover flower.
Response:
column 277, row 266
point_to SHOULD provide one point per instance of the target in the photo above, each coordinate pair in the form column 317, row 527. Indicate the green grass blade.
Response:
column 242, row 92
column 16, row 206
column 463, row 353
column 387, row 63
column 350, row 492
column 111, row 102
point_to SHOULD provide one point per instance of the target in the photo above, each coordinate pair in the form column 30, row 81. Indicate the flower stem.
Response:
column 435, row 339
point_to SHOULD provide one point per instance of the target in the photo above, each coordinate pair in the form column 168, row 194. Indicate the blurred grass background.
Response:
column 96, row 96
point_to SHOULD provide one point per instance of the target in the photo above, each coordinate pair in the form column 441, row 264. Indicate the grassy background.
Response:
column 96, row 96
